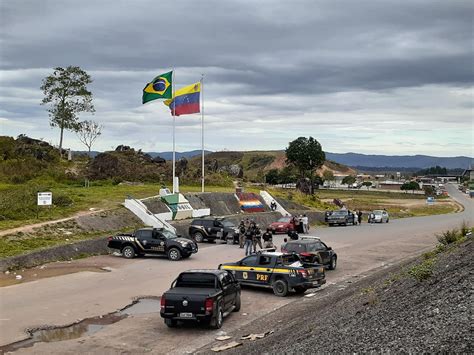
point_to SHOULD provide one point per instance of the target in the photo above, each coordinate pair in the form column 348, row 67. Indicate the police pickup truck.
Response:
column 205, row 296
column 279, row 271
column 153, row 241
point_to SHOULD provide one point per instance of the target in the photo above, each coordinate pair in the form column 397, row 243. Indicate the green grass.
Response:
column 97, row 196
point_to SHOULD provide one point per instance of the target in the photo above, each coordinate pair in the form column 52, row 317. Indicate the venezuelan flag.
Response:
column 185, row 100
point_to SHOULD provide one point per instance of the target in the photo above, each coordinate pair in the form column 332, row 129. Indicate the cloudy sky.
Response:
column 382, row 77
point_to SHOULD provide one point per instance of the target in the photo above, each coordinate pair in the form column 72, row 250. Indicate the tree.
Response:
column 88, row 132
column 349, row 180
column 66, row 92
column 306, row 155
column 367, row 184
column 272, row 177
column 410, row 185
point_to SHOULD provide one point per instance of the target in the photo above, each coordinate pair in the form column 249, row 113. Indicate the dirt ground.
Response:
column 101, row 263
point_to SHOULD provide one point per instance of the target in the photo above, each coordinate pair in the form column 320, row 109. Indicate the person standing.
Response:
column 257, row 238
column 301, row 225
column 359, row 217
column 305, row 224
column 241, row 234
column 268, row 239
column 248, row 241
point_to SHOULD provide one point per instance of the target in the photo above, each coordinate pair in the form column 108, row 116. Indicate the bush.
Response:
column 424, row 270
column 61, row 200
column 449, row 237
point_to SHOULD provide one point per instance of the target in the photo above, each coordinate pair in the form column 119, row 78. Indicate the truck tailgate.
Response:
column 187, row 300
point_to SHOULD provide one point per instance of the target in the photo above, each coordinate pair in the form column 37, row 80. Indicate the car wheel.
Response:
column 280, row 288
column 300, row 289
column 333, row 264
column 237, row 303
column 198, row 237
column 218, row 319
column 174, row 254
column 387, row 220
column 128, row 252
column 171, row 323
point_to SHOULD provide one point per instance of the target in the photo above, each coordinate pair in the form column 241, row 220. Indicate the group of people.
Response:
column 250, row 235
column 301, row 223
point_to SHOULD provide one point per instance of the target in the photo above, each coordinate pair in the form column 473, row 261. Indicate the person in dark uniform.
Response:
column 257, row 238
column 241, row 234
column 248, row 240
column 359, row 217
column 268, row 239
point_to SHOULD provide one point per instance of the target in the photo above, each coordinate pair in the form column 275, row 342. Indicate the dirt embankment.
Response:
column 389, row 311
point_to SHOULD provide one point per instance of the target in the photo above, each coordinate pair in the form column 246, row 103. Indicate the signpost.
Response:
column 44, row 199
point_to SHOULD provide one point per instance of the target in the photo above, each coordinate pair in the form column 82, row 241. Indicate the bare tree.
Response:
column 88, row 132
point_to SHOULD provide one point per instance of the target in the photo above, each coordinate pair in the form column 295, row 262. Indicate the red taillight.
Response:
column 305, row 254
column 162, row 303
column 303, row 273
column 209, row 305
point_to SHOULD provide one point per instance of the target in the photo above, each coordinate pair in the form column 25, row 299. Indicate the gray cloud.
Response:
column 321, row 68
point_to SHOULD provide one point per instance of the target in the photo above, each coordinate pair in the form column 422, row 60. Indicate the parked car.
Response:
column 205, row 296
column 211, row 229
column 312, row 250
column 280, row 271
column 283, row 225
column 153, row 241
column 341, row 217
column 379, row 216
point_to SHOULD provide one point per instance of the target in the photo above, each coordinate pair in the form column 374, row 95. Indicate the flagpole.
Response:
column 174, row 138
column 202, row 131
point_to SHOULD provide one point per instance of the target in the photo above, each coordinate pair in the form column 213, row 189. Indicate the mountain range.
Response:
column 362, row 161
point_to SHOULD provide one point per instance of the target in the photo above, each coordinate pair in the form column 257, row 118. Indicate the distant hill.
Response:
column 400, row 161
column 358, row 161
column 169, row 155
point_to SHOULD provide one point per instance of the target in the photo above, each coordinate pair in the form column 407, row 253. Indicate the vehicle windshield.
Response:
column 228, row 224
column 168, row 234
column 196, row 279
column 339, row 213
column 378, row 213
column 284, row 220
column 294, row 247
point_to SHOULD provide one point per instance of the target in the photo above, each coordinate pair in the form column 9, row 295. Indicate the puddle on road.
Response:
column 85, row 327
column 143, row 306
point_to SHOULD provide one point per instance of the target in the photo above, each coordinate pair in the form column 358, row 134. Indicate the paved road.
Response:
column 65, row 299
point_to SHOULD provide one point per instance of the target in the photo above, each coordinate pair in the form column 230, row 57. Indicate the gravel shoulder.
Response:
column 388, row 311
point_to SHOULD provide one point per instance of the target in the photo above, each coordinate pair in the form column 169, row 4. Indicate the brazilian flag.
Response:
column 158, row 88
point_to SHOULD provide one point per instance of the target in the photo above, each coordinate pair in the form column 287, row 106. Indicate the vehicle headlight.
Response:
column 184, row 244
column 236, row 231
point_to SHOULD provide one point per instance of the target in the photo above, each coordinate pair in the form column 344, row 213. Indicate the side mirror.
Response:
column 329, row 248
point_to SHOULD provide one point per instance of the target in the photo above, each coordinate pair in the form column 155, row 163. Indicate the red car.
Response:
column 283, row 225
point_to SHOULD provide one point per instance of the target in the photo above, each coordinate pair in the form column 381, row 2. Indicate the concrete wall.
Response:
column 62, row 252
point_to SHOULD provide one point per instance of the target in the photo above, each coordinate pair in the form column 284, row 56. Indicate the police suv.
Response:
column 153, row 241
column 279, row 271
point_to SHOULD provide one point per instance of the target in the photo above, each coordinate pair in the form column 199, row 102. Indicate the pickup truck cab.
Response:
column 205, row 296
column 341, row 217
column 212, row 229
column 280, row 271
column 153, row 241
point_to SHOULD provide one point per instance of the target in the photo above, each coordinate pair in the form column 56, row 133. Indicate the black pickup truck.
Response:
column 341, row 217
column 153, row 241
column 205, row 296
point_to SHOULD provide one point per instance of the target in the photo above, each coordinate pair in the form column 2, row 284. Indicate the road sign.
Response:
column 430, row 200
column 45, row 198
